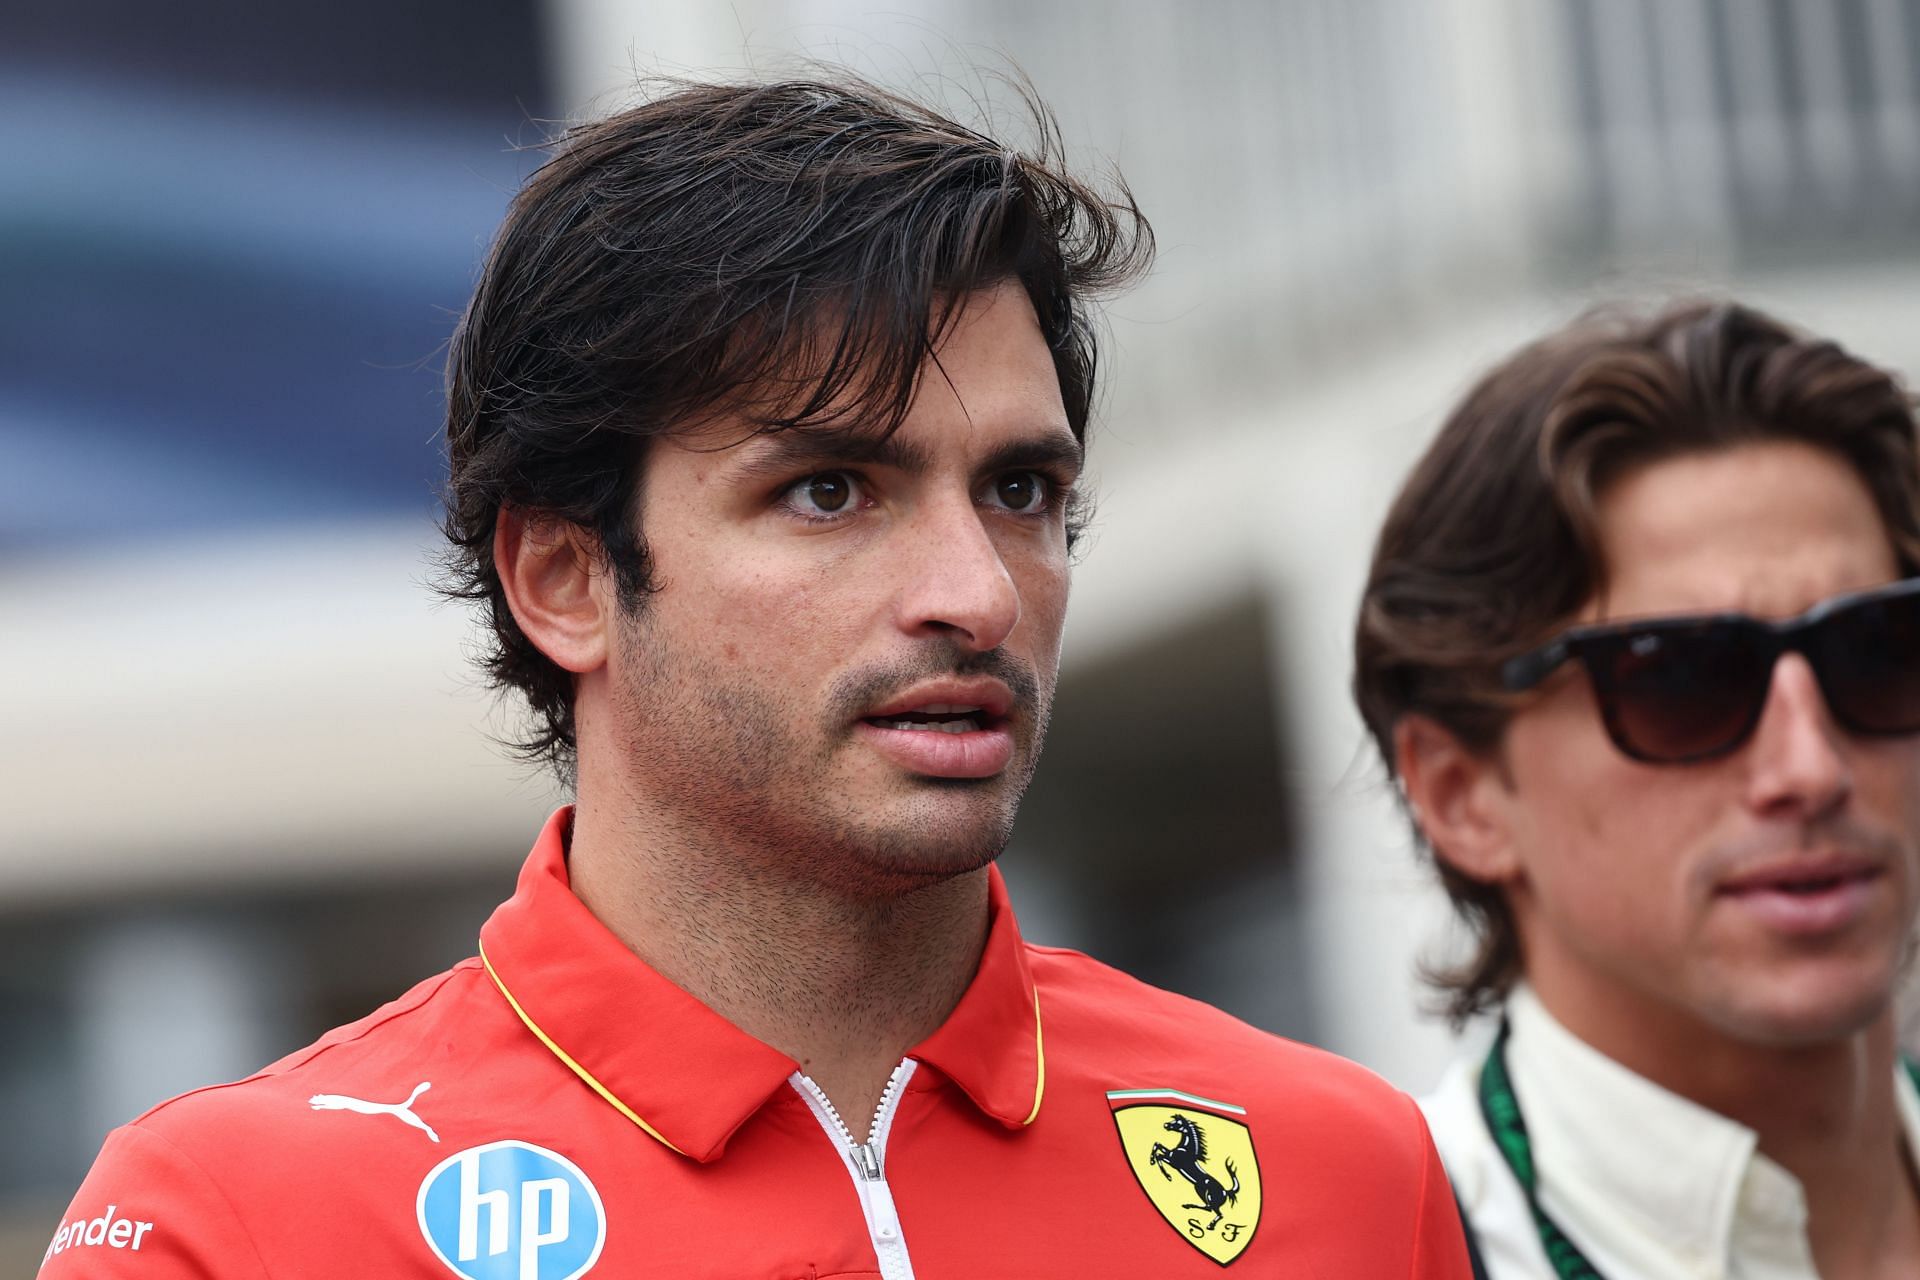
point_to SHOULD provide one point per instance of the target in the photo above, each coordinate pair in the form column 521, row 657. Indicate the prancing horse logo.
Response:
column 1187, row 1158
column 1214, row 1205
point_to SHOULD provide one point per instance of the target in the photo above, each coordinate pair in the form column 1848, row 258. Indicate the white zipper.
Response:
column 867, row 1163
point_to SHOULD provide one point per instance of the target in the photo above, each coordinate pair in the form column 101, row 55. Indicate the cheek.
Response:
column 1886, row 784
column 1042, row 578
column 1561, row 771
column 1599, row 836
column 1889, row 769
column 779, row 619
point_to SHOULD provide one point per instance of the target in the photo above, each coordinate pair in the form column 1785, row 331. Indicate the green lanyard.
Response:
column 1501, row 1110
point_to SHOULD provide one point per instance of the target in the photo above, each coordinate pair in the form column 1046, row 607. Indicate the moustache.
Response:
column 1762, row 849
column 857, row 691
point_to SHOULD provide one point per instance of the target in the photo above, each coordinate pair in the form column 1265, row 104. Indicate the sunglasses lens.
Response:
column 1869, row 663
column 1671, row 694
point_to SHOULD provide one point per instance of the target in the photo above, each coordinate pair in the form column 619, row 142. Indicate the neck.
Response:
column 1825, row 1112
column 843, row 983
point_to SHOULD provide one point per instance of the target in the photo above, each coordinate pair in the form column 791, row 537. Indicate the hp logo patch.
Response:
column 512, row 1211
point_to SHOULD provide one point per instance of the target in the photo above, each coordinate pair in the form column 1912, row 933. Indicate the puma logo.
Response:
column 402, row 1111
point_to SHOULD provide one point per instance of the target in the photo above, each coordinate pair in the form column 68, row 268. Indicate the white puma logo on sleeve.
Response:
column 402, row 1111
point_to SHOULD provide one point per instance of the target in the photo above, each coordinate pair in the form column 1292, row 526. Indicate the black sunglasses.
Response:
column 1677, row 690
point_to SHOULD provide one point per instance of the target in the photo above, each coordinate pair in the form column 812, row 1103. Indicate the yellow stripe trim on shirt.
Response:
column 581, row 1071
column 1040, row 1056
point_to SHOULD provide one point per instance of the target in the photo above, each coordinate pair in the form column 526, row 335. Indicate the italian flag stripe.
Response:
column 1175, row 1095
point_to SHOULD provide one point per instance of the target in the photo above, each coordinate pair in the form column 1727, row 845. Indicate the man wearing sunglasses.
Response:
column 1641, row 645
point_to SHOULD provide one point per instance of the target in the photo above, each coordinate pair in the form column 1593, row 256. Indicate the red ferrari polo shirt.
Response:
column 554, row 1108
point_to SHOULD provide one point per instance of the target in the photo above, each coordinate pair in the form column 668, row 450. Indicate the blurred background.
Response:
column 247, row 789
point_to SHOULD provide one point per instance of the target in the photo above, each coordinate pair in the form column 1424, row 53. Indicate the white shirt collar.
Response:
column 1621, row 1159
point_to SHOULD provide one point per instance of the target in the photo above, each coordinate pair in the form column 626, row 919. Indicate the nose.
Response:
column 1799, row 768
column 955, row 583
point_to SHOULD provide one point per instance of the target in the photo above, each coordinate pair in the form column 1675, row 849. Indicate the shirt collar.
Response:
column 992, row 1044
column 1685, row 1175
column 683, row 1073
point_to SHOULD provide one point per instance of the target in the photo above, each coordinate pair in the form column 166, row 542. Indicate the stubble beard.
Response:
column 756, row 773
column 1758, row 1005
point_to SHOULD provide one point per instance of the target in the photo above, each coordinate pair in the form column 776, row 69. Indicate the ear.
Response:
column 1459, row 799
column 551, row 572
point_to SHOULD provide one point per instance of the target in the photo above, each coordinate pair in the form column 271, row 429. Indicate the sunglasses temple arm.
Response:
column 1529, row 669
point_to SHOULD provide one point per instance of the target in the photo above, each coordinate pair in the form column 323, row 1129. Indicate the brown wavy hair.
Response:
column 1492, row 544
column 787, row 252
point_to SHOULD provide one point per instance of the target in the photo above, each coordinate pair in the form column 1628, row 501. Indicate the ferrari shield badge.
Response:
column 1194, row 1159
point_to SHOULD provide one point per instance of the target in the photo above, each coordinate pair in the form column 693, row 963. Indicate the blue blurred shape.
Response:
column 218, row 311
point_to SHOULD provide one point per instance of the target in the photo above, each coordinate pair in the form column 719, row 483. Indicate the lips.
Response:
column 1809, row 874
column 1809, row 894
column 951, row 728
column 938, row 717
column 955, row 695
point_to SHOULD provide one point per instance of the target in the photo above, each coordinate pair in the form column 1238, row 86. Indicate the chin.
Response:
column 1809, row 1009
column 931, row 842
column 958, row 842
column 920, row 862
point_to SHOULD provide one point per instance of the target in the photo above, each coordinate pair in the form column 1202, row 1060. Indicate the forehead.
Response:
column 1766, row 528
column 991, row 380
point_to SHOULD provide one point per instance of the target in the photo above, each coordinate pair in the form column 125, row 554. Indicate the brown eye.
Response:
column 1021, row 491
column 827, row 493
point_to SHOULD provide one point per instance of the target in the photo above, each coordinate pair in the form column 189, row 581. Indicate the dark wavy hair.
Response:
column 1492, row 545
column 788, row 253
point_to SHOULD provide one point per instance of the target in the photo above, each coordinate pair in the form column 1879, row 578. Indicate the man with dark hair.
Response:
column 1641, row 644
column 766, row 426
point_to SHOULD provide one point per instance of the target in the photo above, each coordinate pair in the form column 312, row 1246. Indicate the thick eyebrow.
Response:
column 777, row 455
column 1055, row 449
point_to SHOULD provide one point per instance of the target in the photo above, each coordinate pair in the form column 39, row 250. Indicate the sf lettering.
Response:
column 1229, row 1231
